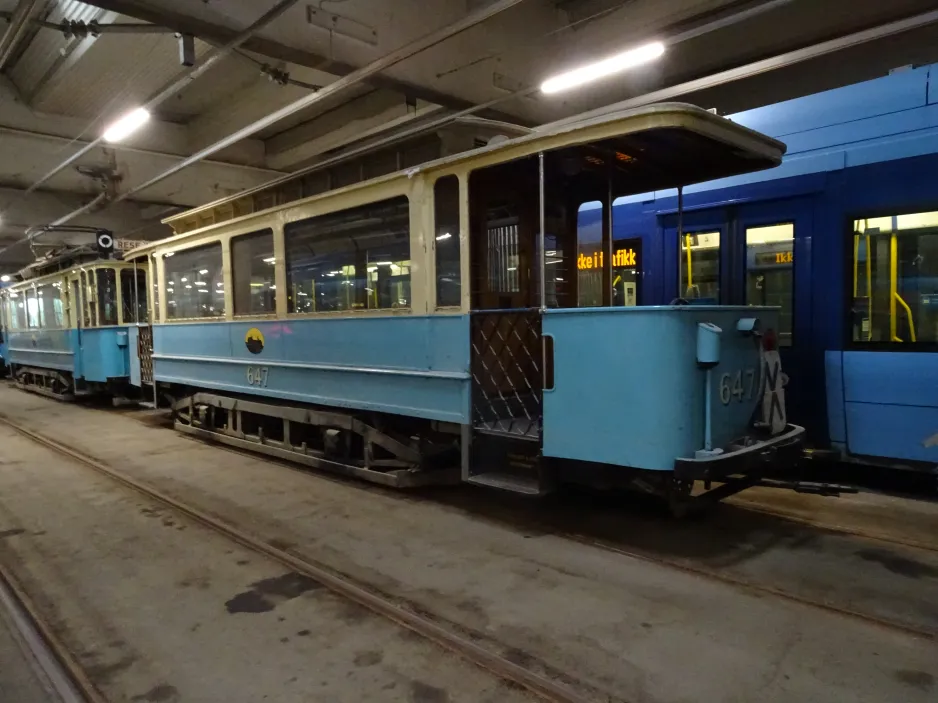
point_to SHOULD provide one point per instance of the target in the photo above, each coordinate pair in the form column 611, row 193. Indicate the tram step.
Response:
column 508, row 482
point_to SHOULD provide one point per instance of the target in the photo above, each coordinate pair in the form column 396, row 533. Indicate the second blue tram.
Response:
column 843, row 237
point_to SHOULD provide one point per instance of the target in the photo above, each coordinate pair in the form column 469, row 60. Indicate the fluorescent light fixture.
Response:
column 4, row 279
column 271, row 260
column 126, row 125
column 383, row 263
column 601, row 69
column 169, row 254
column 184, row 280
column 445, row 235
column 203, row 272
column 201, row 283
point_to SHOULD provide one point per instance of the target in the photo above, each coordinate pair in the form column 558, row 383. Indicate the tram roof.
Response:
column 718, row 148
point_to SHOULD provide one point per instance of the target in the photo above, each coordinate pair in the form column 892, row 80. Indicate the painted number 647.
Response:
column 257, row 376
column 731, row 386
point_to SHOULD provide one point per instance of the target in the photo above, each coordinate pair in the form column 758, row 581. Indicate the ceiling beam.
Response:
column 216, row 34
column 19, row 23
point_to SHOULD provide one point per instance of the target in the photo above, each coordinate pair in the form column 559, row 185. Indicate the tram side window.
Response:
column 895, row 279
column 18, row 310
column 107, row 296
column 51, row 313
column 194, row 283
column 252, row 268
column 446, row 231
column 770, row 272
column 90, row 308
column 354, row 259
column 134, row 295
column 32, row 309
column 700, row 267
column 156, row 291
column 590, row 256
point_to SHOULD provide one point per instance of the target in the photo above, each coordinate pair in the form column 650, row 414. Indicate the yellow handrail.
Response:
column 893, row 294
column 908, row 311
column 869, row 290
column 690, row 275
column 856, row 262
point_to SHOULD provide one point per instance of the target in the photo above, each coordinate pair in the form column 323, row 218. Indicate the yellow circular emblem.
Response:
column 254, row 341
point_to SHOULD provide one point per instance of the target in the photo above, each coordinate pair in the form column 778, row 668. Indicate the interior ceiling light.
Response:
column 126, row 125
column 606, row 67
column 4, row 279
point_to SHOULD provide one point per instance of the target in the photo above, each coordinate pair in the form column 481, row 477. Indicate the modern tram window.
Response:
column 446, row 231
column 107, row 296
column 700, row 267
column 134, row 295
column 770, row 272
column 589, row 235
column 895, row 279
column 194, row 283
column 252, row 268
column 355, row 259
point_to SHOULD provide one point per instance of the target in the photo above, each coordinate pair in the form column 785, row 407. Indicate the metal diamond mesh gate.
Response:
column 507, row 373
column 145, row 353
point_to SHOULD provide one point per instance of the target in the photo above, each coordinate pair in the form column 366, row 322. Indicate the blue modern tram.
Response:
column 843, row 236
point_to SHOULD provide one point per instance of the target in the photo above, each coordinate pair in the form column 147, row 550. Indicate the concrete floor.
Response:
column 160, row 609
column 634, row 630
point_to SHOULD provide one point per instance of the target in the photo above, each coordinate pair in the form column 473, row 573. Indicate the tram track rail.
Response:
column 683, row 565
column 58, row 665
column 514, row 674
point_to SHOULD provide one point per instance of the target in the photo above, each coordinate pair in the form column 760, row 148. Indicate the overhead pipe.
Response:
column 19, row 22
column 94, row 27
column 754, row 69
column 357, row 76
column 720, row 22
column 179, row 82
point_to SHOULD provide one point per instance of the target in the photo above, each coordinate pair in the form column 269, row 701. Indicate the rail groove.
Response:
column 495, row 664
column 77, row 679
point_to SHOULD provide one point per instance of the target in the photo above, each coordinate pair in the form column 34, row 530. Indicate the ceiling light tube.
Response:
column 601, row 69
column 126, row 125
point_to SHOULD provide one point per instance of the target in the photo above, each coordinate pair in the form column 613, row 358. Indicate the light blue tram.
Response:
column 424, row 326
column 67, row 321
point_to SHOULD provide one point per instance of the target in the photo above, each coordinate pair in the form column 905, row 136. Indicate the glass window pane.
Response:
column 356, row 259
column 107, row 296
column 895, row 279
column 19, row 301
column 32, row 308
column 770, row 272
column 51, row 312
column 87, row 298
column 252, row 268
column 134, row 296
column 446, row 230
column 700, row 258
column 589, row 264
column 192, row 283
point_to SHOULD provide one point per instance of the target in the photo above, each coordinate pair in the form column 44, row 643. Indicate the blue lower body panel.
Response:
column 46, row 349
column 406, row 365
column 104, row 354
column 884, row 404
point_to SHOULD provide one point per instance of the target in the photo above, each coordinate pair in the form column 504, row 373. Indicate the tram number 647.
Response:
column 731, row 386
column 257, row 376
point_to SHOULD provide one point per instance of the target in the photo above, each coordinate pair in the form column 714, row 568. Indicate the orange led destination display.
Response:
column 621, row 258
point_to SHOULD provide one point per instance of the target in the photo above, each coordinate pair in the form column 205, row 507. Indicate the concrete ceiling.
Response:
column 58, row 91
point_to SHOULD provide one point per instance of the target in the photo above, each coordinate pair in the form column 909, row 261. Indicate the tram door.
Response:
column 506, row 357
